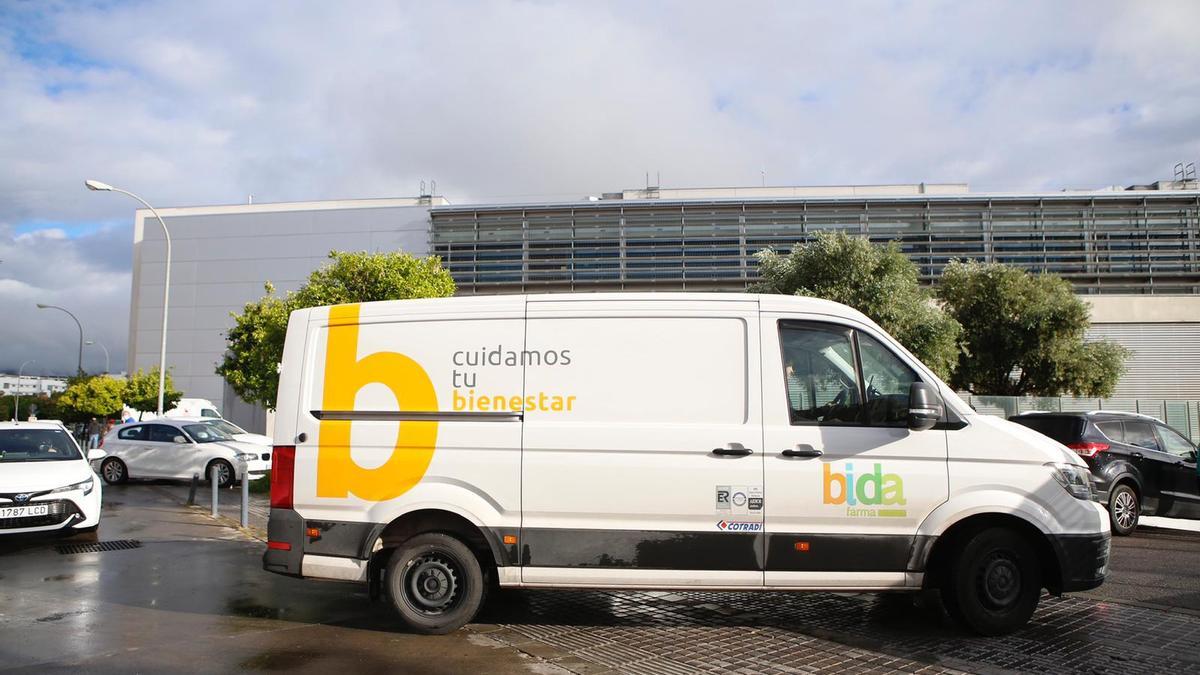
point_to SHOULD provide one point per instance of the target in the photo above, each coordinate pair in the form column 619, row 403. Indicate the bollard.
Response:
column 192, row 489
column 245, row 496
column 212, row 478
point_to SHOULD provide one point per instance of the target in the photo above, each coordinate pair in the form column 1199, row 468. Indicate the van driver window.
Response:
column 887, row 381
column 823, row 383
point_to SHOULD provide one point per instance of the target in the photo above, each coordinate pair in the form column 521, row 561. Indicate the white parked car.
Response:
column 179, row 448
column 46, row 483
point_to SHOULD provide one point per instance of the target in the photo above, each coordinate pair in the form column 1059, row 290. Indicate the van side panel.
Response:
column 622, row 477
column 407, row 411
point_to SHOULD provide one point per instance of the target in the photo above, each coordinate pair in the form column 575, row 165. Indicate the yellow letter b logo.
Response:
column 345, row 374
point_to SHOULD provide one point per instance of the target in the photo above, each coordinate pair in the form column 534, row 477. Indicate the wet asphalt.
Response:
column 194, row 598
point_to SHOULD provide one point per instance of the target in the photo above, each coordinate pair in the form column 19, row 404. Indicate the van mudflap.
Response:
column 285, row 527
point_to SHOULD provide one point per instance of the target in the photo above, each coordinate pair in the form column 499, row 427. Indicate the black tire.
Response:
column 1124, row 510
column 435, row 582
column 114, row 471
column 993, row 583
column 225, row 473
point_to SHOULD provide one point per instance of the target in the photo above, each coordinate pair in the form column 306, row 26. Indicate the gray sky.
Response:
column 194, row 103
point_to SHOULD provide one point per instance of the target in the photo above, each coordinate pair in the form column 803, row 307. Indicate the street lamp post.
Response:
column 162, row 352
column 101, row 345
column 17, row 394
column 79, row 368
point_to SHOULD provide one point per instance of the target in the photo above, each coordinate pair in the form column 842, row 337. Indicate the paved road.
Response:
column 193, row 597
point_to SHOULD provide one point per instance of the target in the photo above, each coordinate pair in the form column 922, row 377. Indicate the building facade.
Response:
column 31, row 385
column 1133, row 252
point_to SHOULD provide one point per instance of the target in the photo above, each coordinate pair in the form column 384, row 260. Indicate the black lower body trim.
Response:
column 1082, row 559
column 648, row 549
column 842, row 553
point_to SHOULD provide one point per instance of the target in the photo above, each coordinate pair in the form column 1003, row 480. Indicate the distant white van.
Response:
column 193, row 407
column 436, row 448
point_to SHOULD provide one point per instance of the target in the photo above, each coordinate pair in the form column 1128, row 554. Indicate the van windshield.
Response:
column 36, row 445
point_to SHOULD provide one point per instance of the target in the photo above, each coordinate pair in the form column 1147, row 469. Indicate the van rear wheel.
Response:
column 994, row 582
column 435, row 582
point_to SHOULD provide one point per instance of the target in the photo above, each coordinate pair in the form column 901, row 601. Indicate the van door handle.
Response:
column 802, row 450
column 735, row 450
column 1137, row 455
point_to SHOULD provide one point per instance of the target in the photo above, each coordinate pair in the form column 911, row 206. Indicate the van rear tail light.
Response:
column 283, row 470
column 1088, row 449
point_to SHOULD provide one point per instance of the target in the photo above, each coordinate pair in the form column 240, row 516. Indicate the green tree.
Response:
column 254, row 346
column 99, row 396
column 1023, row 334
column 141, row 391
column 878, row 281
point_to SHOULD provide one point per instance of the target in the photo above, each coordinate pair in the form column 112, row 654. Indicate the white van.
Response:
column 435, row 448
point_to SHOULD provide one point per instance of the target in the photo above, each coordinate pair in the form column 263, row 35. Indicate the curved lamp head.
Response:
column 97, row 185
column 41, row 306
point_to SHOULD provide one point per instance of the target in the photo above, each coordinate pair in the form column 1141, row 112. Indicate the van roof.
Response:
column 765, row 301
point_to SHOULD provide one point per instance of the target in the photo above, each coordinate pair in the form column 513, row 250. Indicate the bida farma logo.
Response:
column 864, row 494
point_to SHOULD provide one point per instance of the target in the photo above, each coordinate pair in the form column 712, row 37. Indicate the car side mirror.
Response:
column 924, row 406
column 95, row 454
column 180, row 439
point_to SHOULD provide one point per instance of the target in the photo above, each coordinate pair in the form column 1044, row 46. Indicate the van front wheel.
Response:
column 435, row 582
column 994, row 582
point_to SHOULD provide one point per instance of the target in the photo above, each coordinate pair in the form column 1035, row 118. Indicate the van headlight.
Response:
column 86, row 485
column 1075, row 479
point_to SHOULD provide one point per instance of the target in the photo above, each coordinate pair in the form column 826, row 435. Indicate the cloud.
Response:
column 87, row 275
column 201, row 103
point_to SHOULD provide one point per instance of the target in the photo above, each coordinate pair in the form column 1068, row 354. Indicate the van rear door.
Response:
column 642, row 443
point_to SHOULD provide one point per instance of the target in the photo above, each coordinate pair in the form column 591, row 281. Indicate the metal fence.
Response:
column 1184, row 416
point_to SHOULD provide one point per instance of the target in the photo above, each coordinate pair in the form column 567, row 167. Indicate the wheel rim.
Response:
column 433, row 584
column 222, row 474
column 1000, row 580
column 113, row 471
column 1124, row 509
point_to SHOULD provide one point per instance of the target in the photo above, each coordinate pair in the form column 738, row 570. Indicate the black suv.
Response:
column 1140, row 464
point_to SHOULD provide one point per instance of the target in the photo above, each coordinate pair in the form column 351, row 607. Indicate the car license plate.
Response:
column 30, row 511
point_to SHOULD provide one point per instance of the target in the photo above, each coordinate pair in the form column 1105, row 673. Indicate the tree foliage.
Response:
column 878, row 281
column 254, row 346
column 1023, row 334
column 141, row 391
column 96, row 396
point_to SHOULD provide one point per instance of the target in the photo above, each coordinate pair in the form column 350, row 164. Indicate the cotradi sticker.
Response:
column 738, row 526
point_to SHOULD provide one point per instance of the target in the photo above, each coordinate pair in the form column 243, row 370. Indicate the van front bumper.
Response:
column 1082, row 560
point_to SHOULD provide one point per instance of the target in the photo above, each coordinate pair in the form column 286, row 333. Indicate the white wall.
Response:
column 222, row 256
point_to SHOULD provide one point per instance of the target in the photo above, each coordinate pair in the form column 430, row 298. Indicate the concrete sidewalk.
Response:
column 229, row 503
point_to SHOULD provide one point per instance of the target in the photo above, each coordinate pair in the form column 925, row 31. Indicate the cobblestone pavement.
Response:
column 687, row 632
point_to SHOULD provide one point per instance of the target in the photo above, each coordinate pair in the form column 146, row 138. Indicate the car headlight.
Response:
column 86, row 485
column 245, row 456
column 1075, row 479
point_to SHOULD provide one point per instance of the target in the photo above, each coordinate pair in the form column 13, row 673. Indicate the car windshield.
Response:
column 206, row 433
column 36, row 445
column 228, row 427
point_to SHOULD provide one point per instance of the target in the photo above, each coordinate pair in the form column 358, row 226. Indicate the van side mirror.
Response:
column 924, row 406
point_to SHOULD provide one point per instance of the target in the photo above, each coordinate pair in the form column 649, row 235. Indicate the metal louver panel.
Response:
column 1165, row 363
